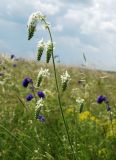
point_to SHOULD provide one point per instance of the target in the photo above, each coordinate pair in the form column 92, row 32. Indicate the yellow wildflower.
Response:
column 85, row 115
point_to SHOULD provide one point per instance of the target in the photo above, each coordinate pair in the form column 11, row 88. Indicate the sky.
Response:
column 78, row 26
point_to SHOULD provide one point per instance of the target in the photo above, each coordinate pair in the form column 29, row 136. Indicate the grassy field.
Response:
column 92, row 130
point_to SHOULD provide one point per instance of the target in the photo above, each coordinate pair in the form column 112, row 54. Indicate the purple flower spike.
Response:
column 41, row 94
column 101, row 99
column 29, row 97
column 41, row 118
column 26, row 81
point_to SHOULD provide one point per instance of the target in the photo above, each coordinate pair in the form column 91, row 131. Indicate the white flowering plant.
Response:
column 34, row 19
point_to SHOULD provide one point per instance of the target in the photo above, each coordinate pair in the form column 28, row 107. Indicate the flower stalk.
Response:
column 58, row 91
column 33, row 20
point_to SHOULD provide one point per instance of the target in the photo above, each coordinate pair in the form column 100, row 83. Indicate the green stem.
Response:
column 111, row 123
column 58, row 94
column 33, row 90
column 21, row 102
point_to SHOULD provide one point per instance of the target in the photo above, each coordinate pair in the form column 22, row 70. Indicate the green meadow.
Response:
column 91, row 127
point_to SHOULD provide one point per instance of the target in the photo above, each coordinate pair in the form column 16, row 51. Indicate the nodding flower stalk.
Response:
column 32, row 24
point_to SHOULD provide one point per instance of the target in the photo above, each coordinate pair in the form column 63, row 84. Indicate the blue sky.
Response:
column 78, row 26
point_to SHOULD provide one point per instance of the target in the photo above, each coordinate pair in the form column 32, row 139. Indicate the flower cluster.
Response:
column 29, row 97
column 84, row 115
column 40, row 94
column 88, row 116
column 80, row 102
column 42, row 73
column 32, row 23
column 40, row 49
column 25, row 84
column 101, row 99
column 26, row 81
column 49, row 51
column 41, row 118
column 104, row 99
column 39, row 105
column 65, row 78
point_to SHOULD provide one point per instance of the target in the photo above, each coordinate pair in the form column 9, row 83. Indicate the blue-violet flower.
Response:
column 41, row 118
column 29, row 97
column 41, row 94
column 26, row 81
column 101, row 99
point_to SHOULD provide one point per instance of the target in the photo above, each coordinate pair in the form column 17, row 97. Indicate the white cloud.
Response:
column 13, row 10
column 58, row 28
column 95, row 23
column 92, row 19
column 48, row 8
column 83, row 25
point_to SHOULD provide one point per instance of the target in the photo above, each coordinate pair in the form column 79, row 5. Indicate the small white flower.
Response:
column 32, row 23
column 80, row 101
column 41, row 44
column 34, row 18
column 39, row 104
column 44, row 73
column 49, row 51
column 65, row 77
column 40, row 49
